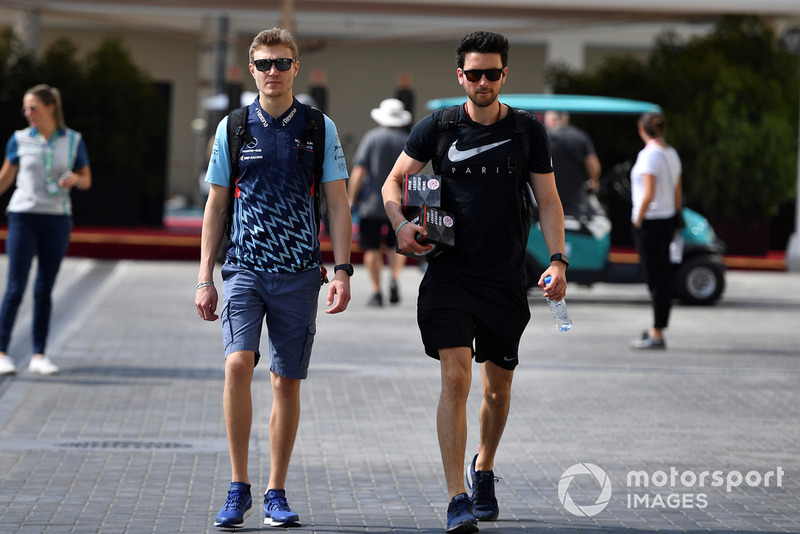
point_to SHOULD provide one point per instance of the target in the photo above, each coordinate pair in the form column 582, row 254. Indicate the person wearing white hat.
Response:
column 374, row 158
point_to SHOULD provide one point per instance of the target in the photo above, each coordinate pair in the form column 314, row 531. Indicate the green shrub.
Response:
column 119, row 111
column 731, row 102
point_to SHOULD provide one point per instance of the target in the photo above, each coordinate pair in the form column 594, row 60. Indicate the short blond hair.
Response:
column 274, row 37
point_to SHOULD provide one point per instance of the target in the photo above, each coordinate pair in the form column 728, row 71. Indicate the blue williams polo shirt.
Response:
column 274, row 221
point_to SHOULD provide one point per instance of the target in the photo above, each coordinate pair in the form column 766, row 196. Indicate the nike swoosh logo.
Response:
column 455, row 155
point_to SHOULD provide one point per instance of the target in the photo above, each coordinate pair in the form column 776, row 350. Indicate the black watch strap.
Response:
column 346, row 267
column 559, row 257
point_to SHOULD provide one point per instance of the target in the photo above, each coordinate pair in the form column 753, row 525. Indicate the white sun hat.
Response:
column 391, row 113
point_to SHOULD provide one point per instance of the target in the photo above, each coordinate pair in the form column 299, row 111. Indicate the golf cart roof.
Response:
column 569, row 103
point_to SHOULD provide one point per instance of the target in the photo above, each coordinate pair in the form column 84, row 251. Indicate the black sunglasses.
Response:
column 475, row 75
column 282, row 64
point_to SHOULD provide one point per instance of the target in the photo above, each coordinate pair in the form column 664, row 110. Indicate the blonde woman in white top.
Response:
column 45, row 160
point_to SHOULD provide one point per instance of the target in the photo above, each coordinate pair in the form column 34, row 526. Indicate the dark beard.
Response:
column 486, row 105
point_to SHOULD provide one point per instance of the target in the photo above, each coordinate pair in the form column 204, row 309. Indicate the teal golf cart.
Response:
column 697, row 252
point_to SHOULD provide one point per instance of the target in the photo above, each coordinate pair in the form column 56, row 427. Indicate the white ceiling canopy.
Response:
column 383, row 20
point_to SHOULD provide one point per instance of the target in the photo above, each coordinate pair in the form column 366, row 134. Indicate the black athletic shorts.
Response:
column 373, row 233
column 489, row 320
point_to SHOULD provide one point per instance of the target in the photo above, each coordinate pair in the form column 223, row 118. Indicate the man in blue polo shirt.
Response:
column 272, row 267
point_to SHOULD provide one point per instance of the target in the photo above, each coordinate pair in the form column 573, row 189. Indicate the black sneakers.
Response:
column 484, row 503
column 459, row 515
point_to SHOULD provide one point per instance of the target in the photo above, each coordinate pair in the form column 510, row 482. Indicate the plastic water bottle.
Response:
column 559, row 310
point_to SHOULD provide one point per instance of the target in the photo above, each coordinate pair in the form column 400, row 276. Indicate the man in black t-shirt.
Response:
column 472, row 300
column 574, row 160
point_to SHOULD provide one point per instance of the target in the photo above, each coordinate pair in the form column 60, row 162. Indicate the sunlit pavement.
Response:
column 129, row 437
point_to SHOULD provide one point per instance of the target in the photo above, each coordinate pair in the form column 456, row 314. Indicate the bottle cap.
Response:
column 547, row 279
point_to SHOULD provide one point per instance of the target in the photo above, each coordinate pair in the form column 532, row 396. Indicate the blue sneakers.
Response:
column 484, row 503
column 238, row 506
column 277, row 512
column 459, row 515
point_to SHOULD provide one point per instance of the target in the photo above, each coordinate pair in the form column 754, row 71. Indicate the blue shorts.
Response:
column 289, row 303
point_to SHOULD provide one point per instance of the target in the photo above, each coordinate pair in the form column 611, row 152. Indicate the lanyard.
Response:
column 47, row 160
column 48, row 147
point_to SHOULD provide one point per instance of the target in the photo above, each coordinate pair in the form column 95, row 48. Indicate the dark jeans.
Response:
column 652, row 242
column 29, row 235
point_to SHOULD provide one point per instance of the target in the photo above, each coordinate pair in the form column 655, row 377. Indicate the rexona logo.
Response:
column 590, row 509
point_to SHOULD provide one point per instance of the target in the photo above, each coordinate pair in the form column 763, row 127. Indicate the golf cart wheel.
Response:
column 700, row 279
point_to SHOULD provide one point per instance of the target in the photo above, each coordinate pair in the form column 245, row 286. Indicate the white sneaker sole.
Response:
column 272, row 523
column 237, row 525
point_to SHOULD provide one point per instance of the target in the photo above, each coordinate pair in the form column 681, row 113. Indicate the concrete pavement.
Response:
column 130, row 436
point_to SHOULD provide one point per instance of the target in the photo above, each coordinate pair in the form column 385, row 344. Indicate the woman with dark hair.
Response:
column 46, row 160
column 656, row 195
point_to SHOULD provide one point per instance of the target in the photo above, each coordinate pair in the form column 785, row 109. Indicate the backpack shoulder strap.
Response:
column 314, row 131
column 445, row 128
column 237, row 137
column 522, row 138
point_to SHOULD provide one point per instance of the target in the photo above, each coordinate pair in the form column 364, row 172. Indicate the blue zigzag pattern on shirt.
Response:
column 277, row 228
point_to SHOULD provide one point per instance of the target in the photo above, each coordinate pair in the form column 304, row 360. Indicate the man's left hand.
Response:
column 339, row 292
column 557, row 288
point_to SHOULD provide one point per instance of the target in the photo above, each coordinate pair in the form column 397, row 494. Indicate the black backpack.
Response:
column 238, row 136
column 445, row 131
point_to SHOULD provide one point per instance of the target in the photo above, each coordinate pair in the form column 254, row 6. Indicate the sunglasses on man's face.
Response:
column 475, row 75
column 265, row 65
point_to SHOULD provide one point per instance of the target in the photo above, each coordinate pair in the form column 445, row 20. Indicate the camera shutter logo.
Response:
column 602, row 500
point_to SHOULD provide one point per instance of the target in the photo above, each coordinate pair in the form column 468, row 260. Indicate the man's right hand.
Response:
column 205, row 300
column 406, row 239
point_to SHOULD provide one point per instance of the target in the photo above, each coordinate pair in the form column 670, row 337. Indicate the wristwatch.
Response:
column 560, row 257
column 346, row 267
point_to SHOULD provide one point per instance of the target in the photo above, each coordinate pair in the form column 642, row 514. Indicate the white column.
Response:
column 791, row 41
column 793, row 250
column 26, row 28
column 566, row 48
column 287, row 17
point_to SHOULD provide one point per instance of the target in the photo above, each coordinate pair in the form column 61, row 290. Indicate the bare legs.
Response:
column 456, row 364
column 373, row 261
column 238, row 406
column 283, row 422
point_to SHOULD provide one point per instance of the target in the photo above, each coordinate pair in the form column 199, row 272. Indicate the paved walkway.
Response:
column 130, row 436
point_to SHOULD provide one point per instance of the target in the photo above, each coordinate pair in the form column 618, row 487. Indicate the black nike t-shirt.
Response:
column 481, row 188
